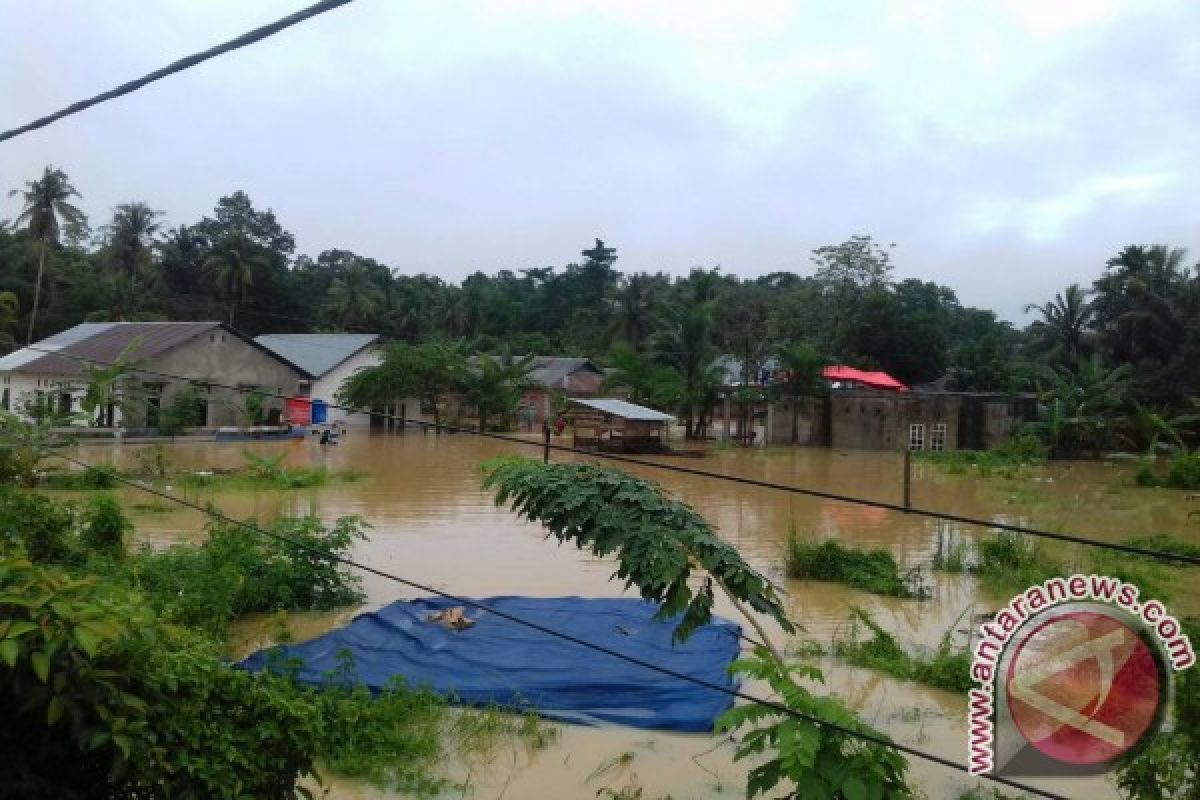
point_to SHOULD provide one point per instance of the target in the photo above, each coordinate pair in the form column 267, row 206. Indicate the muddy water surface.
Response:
column 432, row 522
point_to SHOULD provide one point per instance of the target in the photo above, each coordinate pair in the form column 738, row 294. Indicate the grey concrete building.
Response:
column 208, row 353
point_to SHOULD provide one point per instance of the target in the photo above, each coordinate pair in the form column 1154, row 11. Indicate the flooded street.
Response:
column 431, row 522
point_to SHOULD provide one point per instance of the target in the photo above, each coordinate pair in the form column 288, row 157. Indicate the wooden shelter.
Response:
column 615, row 426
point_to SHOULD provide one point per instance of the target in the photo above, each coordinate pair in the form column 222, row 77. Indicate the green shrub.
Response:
column 872, row 570
column 104, row 526
column 1183, row 472
column 239, row 571
column 40, row 527
column 100, row 700
column 187, row 409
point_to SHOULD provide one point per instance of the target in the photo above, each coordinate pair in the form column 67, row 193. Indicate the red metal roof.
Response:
column 873, row 380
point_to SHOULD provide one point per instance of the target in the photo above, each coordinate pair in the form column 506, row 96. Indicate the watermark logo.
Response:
column 1073, row 676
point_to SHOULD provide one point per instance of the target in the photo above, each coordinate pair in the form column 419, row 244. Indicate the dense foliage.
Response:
column 236, row 571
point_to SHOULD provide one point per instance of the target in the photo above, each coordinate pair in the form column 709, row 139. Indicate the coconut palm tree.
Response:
column 634, row 313
column 355, row 297
column 47, row 213
column 232, row 271
column 1062, row 332
column 130, row 236
column 687, row 345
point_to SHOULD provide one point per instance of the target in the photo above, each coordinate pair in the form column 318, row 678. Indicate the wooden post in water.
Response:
column 907, row 478
column 545, row 443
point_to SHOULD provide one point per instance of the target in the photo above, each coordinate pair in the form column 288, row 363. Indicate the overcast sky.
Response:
column 1007, row 148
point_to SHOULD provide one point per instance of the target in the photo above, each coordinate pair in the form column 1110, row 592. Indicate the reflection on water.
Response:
column 432, row 522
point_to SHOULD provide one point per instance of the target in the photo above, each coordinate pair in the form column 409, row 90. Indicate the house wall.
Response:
column 878, row 420
column 812, row 428
column 20, row 387
column 328, row 385
column 221, row 357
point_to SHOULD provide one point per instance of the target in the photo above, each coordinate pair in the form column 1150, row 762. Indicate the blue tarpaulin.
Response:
column 497, row 661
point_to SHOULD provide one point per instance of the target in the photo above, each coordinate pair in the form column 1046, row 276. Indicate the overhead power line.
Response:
column 248, row 38
column 537, row 626
column 945, row 516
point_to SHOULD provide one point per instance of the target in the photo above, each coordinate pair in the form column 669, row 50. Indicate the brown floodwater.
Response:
column 432, row 522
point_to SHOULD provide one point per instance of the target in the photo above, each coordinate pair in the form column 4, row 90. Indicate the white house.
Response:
column 168, row 357
column 330, row 358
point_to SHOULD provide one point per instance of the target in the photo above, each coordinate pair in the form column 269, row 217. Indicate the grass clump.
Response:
column 953, row 558
column 871, row 570
column 95, row 478
column 945, row 668
column 1009, row 563
column 1166, row 543
column 1005, row 460
column 1182, row 472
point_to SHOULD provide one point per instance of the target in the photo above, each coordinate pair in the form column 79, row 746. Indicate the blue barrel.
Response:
column 320, row 412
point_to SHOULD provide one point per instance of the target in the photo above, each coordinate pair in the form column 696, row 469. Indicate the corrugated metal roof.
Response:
column 621, row 408
column 103, row 342
column 553, row 371
column 316, row 353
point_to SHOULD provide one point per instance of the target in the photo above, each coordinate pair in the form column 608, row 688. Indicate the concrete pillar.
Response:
column 725, row 415
column 768, row 434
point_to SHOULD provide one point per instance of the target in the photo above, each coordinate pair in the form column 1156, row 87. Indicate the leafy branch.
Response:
column 659, row 542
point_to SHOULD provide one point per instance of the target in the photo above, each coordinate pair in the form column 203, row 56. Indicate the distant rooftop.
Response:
column 102, row 342
column 621, row 408
column 316, row 353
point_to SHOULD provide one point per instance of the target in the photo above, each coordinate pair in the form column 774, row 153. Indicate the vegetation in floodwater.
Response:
column 1166, row 543
column 237, row 571
column 1009, row 563
column 953, row 559
column 1006, row 460
column 142, row 707
column 871, row 570
column 946, row 667
column 97, row 478
column 1182, row 471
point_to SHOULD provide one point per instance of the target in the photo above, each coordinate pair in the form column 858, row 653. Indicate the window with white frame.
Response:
column 916, row 437
column 937, row 436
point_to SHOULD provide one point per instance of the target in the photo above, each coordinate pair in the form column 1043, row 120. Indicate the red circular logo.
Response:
column 1084, row 688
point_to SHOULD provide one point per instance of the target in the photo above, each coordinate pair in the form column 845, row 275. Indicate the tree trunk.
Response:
column 37, row 291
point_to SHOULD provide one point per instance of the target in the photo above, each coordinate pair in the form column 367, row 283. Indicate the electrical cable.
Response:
column 466, row 601
column 1010, row 527
column 248, row 38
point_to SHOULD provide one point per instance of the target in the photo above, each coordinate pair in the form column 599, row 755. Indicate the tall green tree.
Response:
column 687, row 345
column 47, row 213
column 130, row 239
column 494, row 386
column 1061, row 333
column 232, row 269
column 428, row 371
column 355, row 297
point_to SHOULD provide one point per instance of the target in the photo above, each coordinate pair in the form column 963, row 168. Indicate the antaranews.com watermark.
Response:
column 1085, row 667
